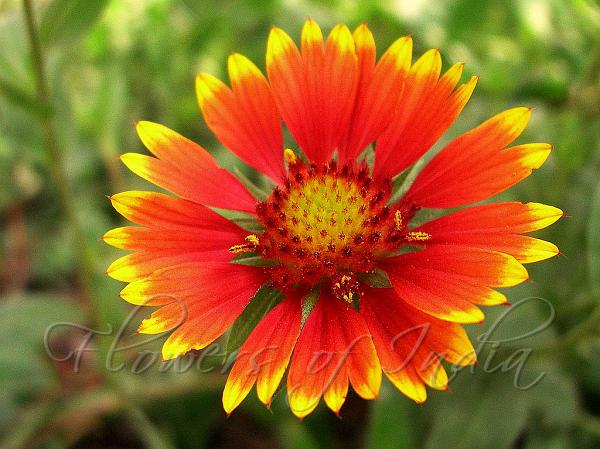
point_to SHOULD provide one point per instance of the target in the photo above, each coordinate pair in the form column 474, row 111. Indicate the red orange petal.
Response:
column 379, row 91
column 334, row 343
column 366, row 54
column 244, row 118
column 485, row 167
column 488, row 268
column 203, row 329
column 147, row 239
column 264, row 356
column 407, row 342
column 198, row 282
column 523, row 248
column 447, row 281
column 187, row 170
column 427, row 109
column 314, row 90
column 135, row 266
column 215, row 306
column 396, row 340
column 495, row 218
column 160, row 211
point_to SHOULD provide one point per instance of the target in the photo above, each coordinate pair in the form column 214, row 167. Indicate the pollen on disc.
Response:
column 323, row 221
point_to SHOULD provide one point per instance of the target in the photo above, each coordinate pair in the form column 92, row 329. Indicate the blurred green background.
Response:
column 109, row 63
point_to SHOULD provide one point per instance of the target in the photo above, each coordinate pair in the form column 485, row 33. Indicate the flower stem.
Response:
column 84, row 270
column 56, row 163
column 148, row 433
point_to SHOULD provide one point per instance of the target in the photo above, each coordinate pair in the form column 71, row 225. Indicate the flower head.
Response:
column 365, row 289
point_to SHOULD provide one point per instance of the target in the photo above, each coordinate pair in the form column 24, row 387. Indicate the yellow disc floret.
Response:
column 324, row 221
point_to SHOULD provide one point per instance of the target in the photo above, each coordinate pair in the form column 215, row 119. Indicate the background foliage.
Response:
column 110, row 63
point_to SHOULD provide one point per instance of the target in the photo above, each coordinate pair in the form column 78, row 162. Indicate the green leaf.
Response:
column 554, row 400
column 496, row 412
column 309, row 302
column 24, row 362
column 22, row 98
column 264, row 300
column 508, row 389
column 243, row 220
column 544, row 439
column 402, row 182
column 67, row 20
column 255, row 190
column 28, row 317
column 376, row 279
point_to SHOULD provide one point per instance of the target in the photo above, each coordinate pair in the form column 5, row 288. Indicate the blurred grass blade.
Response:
column 29, row 423
column 594, row 241
column 67, row 20
column 22, row 98
column 263, row 301
column 148, row 432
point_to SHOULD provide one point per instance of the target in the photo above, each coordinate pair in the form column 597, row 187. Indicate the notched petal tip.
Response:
column 473, row 316
column 401, row 52
column 126, row 292
column 363, row 27
column 207, row 87
column 311, row 32
column 518, row 114
column 278, row 42
column 512, row 273
column 235, row 59
column 533, row 155
column 146, row 129
column 106, row 236
column 419, row 401
column 174, row 348
column 232, row 397
column 341, row 37
column 363, row 38
column 429, row 63
column 240, row 68
column 473, row 80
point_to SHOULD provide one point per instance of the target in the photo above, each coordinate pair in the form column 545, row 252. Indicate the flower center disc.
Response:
column 324, row 222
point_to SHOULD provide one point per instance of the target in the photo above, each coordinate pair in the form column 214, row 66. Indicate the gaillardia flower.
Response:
column 364, row 289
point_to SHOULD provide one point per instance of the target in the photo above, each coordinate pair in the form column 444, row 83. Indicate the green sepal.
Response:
column 252, row 260
column 376, row 279
column 309, row 302
column 261, row 303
